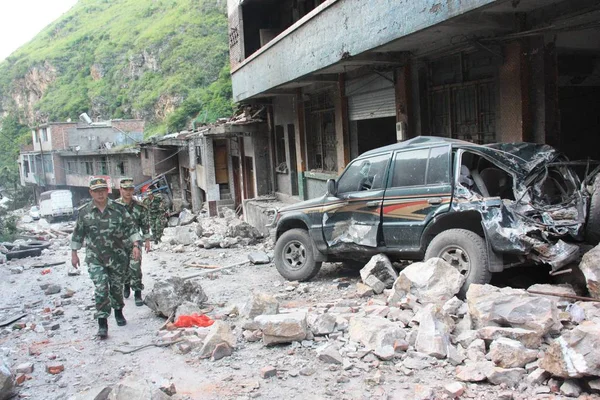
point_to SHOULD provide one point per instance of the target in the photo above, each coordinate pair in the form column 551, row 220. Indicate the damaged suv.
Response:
column 482, row 208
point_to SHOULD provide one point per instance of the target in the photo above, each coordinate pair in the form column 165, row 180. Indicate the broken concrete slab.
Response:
column 259, row 257
column 187, row 308
column 575, row 354
column 258, row 304
column 590, row 267
column 185, row 235
column 218, row 333
column 509, row 353
column 380, row 267
column 283, row 328
column 243, row 230
column 492, row 306
column 432, row 281
column 131, row 391
column 363, row 290
column 433, row 337
column 167, row 295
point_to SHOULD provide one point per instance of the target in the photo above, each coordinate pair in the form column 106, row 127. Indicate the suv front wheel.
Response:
column 294, row 256
column 465, row 251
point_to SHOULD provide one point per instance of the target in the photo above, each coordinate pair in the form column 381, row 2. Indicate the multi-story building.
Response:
column 65, row 154
column 340, row 77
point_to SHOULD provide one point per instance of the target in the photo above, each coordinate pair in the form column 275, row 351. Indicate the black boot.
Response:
column 102, row 328
column 137, row 295
column 126, row 290
column 120, row 318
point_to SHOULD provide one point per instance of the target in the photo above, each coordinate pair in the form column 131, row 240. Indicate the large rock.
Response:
column 559, row 291
column 381, row 267
column 324, row 324
column 166, row 296
column 375, row 333
column 509, row 353
column 492, row 306
column 180, row 235
column 283, row 328
column 590, row 267
column 131, row 391
column 574, row 354
column 259, row 304
column 530, row 339
column 186, row 217
column 244, row 230
column 187, row 308
column 432, row 281
column 474, row 372
column 259, row 257
column 433, row 337
column 510, row 377
column 7, row 381
column 219, row 333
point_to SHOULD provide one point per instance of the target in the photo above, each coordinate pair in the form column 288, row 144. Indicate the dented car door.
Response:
column 419, row 189
column 351, row 220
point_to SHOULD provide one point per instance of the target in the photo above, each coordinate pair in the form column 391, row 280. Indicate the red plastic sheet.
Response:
column 187, row 321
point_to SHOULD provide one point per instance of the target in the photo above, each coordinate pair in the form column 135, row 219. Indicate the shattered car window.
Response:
column 438, row 170
column 365, row 174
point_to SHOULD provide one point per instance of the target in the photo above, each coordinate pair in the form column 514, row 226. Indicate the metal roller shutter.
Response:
column 372, row 96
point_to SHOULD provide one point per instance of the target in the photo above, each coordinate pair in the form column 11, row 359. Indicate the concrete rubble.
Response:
column 409, row 334
column 166, row 296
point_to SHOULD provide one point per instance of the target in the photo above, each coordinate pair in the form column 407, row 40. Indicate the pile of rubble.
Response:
column 536, row 344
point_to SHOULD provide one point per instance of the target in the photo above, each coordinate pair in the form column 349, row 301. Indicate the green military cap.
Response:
column 127, row 183
column 98, row 183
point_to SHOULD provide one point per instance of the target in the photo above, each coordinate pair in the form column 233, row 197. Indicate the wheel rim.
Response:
column 294, row 255
column 458, row 258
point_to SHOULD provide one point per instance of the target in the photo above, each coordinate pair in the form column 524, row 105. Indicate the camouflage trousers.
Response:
column 157, row 224
column 108, row 289
column 133, row 273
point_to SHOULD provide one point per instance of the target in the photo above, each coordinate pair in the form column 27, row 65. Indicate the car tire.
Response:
column 592, row 226
column 294, row 258
column 36, row 245
column 464, row 250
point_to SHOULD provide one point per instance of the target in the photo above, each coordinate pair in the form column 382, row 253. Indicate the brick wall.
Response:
column 60, row 135
column 129, row 125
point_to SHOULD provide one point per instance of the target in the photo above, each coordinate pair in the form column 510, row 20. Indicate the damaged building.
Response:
column 341, row 77
column 63, row 155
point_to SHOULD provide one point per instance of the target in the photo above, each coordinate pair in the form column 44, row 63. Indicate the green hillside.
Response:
column 162, row 60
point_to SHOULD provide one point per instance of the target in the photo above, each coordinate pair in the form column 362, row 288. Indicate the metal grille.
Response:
column 464, row 111
column 321, row 139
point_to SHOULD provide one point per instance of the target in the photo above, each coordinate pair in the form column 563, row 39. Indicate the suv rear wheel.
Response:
column 294, row 256
column 465, row 251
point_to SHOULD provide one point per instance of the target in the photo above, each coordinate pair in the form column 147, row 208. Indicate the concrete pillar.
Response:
column 196, row 200
column 300, row 145
column 552, row 113
column 514, row 122
column 341, row 125
column 537, row 89
column 402, row 86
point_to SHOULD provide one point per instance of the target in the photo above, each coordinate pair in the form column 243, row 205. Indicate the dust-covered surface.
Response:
column 332, row 361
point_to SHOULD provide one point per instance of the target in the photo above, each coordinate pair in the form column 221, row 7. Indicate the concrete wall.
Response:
column 258, row 214
column 511, row 124
column 60, row 135
column 92, row 137
column 337, row 29
column 316, row 187
column 210, row 187
column 262, row 161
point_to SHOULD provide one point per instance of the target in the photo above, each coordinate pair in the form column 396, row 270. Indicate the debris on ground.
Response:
column 166, row 296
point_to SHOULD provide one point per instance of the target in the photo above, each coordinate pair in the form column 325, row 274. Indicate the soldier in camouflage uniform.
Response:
column 157, row 210
column 133, row 273
column 106, row 227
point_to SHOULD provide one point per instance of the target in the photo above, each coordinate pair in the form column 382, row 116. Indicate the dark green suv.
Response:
column 481, row 208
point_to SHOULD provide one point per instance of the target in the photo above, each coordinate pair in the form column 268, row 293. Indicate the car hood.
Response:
column 303, row 205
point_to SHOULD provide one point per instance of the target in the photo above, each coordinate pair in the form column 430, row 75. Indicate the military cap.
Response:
column 127, row 183
column 98, row 183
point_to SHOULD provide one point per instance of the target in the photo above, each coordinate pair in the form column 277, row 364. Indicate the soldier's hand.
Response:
column 74, row 260
column 147, row 245
column 137, row 254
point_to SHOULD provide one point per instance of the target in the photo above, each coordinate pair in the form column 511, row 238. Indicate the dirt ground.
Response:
column 91, row 364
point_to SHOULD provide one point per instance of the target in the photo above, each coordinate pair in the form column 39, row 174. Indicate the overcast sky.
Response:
column 21, row 20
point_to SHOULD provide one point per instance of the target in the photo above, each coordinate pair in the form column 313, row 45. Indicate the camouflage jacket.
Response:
column 156, row 206
column 105, row 234
column 139, row 213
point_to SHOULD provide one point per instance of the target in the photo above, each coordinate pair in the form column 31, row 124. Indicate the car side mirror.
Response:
column 331, row 187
